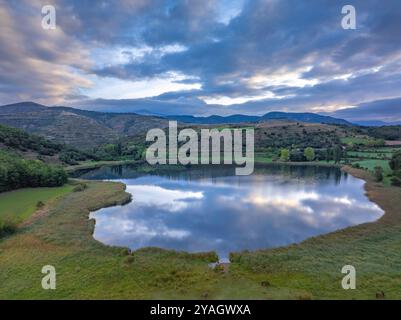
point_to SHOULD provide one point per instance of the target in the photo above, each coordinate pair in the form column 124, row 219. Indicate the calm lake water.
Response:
column 204, row 209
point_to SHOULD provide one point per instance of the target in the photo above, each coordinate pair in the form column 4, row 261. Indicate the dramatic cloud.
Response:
column 38, row 64
column 386, row 110
column 203, row 57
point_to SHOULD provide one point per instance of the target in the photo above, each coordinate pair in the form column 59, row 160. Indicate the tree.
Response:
column 309, row 154
column 284, row 155
column 396, row 179
column 395, row 162
column 337, row 154
column 328, row 155
column 297, row 156
column 16, row 172
column 119, row 149
column 379, row 174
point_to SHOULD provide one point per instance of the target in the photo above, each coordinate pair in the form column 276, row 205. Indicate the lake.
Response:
column 210, row 209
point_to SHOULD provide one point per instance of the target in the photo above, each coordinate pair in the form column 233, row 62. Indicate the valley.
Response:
column 51, row 224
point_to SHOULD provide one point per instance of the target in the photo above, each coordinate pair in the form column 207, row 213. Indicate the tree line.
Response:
column 16, row 173
column 310, row 154
column 395, row 165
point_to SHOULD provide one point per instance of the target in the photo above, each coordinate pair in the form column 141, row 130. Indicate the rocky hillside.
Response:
column 78, row 128
column 19, row 143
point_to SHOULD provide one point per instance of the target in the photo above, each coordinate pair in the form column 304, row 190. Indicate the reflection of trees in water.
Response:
column 337, row 176
column 328, row 174
column 118, row 170
column 212, row 172
column 304, row 172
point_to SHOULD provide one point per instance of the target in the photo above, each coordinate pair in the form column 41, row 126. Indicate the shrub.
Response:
column 235, row 257
column 206, row 256
column 7, row 227
column 130, row 259
column 40, row 204
column 309, row 154
column 378, row 174
column 284, row 155
column 396, row 181
column 80, row 187
column 305, row 296
column 125, row 252
column 395, row 162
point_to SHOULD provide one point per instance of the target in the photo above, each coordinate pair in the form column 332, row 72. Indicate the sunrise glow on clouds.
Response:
column 204, row 57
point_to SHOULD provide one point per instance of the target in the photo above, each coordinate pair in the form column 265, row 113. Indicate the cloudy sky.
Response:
column 203, row 57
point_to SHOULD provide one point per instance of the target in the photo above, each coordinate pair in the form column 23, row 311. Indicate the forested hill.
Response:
column 28, row 146
column 79, row 128
column 238, row 118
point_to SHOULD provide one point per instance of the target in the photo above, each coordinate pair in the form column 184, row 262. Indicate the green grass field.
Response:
column 370, row 155
column 366, row 141
column 20, row 204
column 264, row 157
column 87, row 269
column 370, row 165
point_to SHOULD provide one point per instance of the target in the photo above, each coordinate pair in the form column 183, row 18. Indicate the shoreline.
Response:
column 380, row 194
column 99, row 164
column 65, row 237
column 95, row 165
column 303, row 163
column 376, row 192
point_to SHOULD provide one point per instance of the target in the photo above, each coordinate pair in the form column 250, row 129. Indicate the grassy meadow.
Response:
column 88, row 269
column 21, row 204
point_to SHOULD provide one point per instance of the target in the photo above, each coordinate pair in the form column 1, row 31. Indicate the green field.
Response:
column 264, row 157
column 87, row 269
column 20, row 204
column 366, row 141
column 370, row 154
column 370, row 165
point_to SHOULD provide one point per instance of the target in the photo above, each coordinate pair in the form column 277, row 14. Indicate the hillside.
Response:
column 93, row 131
column 19, row 143
column 78, row 128
column 278, row 134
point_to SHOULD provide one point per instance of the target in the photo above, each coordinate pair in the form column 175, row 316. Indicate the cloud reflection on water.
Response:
column 230, row 213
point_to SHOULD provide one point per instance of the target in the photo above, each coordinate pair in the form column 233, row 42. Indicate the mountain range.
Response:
column 86, row 129
column 79, row 128
column 238, row 118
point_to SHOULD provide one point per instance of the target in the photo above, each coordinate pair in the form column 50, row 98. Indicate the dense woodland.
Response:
column 17, row 140
column 384, row 132
column 395, row 165
column 16, row 173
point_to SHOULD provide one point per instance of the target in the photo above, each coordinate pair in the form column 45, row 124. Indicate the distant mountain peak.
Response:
column 305, row 117
column 25, row 103
column 274, row 115
column 20, row 107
